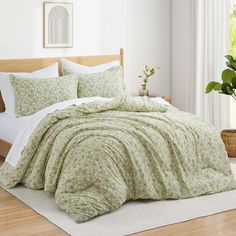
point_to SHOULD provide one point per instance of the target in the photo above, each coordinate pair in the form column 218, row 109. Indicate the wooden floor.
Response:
column 16, row 218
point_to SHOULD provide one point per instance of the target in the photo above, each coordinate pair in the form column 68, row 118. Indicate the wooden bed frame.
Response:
column 29, row 65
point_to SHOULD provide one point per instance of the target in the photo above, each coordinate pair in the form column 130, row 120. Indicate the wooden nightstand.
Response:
column 167, row 98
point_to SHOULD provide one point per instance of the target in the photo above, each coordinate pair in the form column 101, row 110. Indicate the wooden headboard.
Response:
column 29, row 65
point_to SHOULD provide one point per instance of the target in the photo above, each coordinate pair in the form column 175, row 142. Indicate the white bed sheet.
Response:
column 10, row 126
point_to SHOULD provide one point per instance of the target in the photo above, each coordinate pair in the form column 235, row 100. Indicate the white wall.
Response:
column 141, row 27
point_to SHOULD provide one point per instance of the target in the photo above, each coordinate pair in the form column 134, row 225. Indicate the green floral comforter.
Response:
column 99, row 155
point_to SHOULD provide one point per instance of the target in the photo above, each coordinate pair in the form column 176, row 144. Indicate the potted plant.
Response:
column 227, row 87
column 147, row 73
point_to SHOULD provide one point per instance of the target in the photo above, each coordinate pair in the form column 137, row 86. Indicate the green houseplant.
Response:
column 147, row 73
column 227, row 87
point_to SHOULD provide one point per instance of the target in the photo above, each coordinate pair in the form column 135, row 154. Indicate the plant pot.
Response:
column 144, row 91
column 229, row 139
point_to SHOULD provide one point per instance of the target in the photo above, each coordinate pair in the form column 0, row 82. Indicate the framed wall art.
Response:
column 58, row 24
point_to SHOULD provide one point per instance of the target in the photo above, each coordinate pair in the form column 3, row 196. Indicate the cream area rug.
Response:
column 132, row 217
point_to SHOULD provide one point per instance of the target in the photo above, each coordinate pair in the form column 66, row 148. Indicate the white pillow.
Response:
column 72, row 67
column 7, row 91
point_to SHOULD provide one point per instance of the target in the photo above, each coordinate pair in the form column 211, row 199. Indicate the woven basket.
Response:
column 229, row 139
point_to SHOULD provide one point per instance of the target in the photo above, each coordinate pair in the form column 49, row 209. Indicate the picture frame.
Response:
column 58, row 25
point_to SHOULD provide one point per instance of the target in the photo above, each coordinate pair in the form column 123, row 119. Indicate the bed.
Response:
column 10, row 126
column 28, row 65
column 96, row 153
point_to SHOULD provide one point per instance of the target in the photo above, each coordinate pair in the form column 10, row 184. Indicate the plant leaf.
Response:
column 227, row 75
column 229, row 57
column 218, row 87
column 210, row 86
column 233, row 63
column 230, row 90
column 227, row 89
column 234, row 82
column 230, row 65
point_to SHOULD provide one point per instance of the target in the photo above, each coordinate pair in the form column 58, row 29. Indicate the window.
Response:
column 233, row 53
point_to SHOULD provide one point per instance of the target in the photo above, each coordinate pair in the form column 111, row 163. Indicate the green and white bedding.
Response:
column 34, row 94
column 98, row 155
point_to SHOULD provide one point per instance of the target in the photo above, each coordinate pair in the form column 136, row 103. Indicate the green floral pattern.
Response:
column 109, row 83
column 97, row 156
column 35, row 94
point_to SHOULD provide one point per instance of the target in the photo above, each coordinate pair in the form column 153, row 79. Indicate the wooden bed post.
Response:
column 4, row 148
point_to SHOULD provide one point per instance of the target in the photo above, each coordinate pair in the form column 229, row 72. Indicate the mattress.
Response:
column 10, row 126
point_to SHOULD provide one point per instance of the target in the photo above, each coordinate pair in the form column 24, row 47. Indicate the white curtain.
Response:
column 211, row 44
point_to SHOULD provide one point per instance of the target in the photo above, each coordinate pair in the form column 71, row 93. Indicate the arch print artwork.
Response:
column 58, row 25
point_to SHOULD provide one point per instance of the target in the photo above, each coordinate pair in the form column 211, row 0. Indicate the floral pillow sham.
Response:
column 7, row 90
column 109, row 83
column 34, row 94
